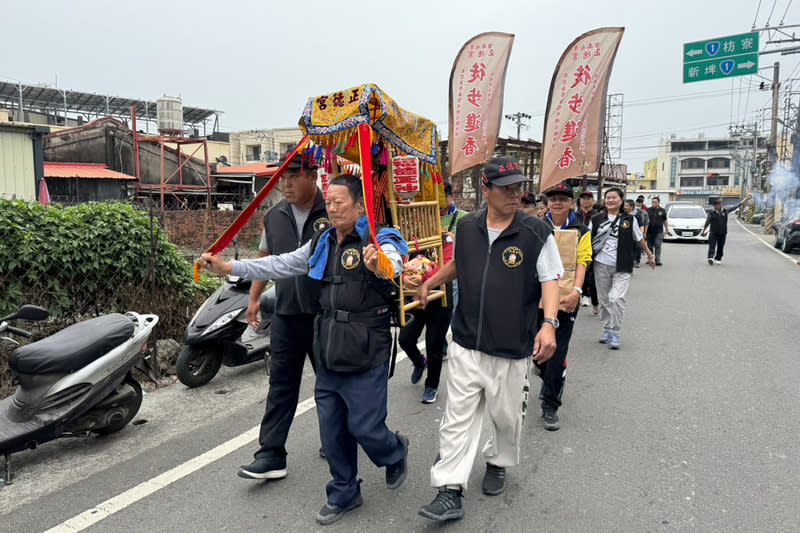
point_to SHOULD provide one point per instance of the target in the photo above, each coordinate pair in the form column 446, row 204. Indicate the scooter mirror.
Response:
column 31, row 312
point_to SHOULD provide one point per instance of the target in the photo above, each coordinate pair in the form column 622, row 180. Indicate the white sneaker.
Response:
column 585, row 301
column 717, row 261
column 710, row 261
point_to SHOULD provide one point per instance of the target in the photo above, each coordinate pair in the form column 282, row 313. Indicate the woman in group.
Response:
column 614, row 236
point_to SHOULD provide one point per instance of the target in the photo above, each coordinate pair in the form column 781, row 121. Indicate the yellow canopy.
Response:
column 329, row 119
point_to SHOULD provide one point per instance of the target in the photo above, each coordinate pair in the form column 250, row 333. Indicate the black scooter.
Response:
column 218, row 333
column 75, row 382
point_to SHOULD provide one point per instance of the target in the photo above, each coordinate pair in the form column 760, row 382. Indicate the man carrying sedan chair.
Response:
column 352, row 341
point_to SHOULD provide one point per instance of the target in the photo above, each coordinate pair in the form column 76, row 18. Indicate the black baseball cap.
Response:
column 528, row 198
column 586, row 193
column 559, row 188
column 299, row 162
column 503, row 171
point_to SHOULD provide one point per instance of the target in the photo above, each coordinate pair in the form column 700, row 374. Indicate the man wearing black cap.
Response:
column 575, row 247
column 528, row 203
column 287, row 226
column 586, row 210
column 506, row 261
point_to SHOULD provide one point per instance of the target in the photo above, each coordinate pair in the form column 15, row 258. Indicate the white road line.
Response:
column 146, row 488
column 765, row 243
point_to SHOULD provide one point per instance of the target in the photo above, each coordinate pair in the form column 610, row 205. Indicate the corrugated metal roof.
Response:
column 83, row 170
column 257, row 169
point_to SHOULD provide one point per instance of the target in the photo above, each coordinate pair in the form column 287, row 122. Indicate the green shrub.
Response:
column 93, row 259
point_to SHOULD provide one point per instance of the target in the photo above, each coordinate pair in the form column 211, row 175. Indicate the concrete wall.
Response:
column 110, row 142
column 271, row 142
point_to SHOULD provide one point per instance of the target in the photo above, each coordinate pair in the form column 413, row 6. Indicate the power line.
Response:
column 787, row 10
column 757, row 10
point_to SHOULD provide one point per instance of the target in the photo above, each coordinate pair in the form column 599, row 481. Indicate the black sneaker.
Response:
column 494, row 480
column 264, row 468
column 396, row 473
column 446, row 506
column 331, row 513
column 550, row 420
column 416, row 374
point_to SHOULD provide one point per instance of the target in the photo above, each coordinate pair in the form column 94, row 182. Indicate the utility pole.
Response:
column 773, row 133
column 519, row 118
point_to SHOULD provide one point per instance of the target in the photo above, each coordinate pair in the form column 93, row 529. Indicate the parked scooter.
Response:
column 218, row 333
column 74, row 382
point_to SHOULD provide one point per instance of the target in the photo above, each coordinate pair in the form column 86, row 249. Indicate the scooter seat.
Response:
column 73, row 347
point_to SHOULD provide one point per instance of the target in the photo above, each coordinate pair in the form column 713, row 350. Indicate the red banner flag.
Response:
column 575, row 118
column 476, row 98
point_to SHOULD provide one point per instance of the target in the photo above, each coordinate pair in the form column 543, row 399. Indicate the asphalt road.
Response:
column 694, row 425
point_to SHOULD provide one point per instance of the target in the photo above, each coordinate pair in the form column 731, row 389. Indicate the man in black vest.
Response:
column 351, row 338
column 718, row 220
column 657, row 225
column 287, row 226
column 507, row 261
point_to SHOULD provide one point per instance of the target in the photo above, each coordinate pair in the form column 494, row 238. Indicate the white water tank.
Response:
column 169, row 113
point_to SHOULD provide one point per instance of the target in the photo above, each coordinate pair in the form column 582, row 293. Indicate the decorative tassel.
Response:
column 385, row 156
column 197, row 271
column 328, row 160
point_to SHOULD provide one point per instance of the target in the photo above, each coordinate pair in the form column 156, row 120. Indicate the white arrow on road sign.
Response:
column 749, row 64
column 692, row 53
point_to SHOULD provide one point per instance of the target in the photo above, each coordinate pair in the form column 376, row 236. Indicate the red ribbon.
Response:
column 228, row 235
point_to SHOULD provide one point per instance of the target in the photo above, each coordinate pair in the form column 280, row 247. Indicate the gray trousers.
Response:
column 612, row 286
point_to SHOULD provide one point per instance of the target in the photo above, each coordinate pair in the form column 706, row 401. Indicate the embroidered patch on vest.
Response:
column 625, row 224
column 512, row 257
column 321, row 224
column 351, row 258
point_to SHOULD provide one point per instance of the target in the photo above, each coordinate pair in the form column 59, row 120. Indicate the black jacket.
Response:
column 719, row 221
column 499, row 289
column 298, row 295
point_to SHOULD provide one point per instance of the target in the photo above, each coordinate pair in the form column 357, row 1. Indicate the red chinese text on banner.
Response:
column 405, row 172
column 476, row 98
column 575, row 118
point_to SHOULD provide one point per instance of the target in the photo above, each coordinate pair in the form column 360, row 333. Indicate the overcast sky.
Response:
column 258, row 61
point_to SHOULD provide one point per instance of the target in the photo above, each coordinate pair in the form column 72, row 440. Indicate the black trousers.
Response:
column 291, row 341
column 554, row 371
column 588, row 286
column 435, row 319
column 716, row 241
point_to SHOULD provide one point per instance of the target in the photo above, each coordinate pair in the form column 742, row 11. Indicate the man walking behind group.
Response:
column 575, row 247
column 287, row 226
column 718, row 220
column 657, row 225
column 506, row 261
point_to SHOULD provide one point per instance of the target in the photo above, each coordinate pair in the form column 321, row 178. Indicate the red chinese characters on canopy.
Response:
column 405, row 173
column 574, row 121
column 476, row 89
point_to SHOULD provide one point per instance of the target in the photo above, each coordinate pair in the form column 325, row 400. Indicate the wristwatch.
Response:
column 552, row 321
column 578, row 290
